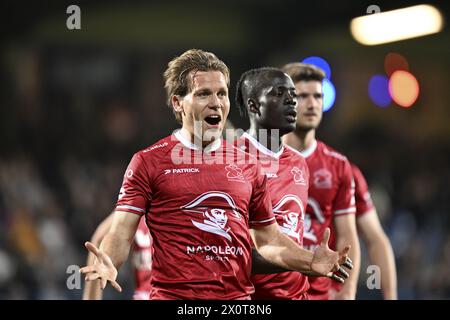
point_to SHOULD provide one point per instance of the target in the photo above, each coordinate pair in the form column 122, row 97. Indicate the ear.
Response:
column 252, row 106
column 177, row 103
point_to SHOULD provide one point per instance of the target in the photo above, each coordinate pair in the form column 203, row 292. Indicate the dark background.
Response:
column 76, row 104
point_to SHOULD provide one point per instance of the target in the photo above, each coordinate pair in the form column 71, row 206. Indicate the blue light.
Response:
column 329, row 94
column 321, row 63
column 379, row 91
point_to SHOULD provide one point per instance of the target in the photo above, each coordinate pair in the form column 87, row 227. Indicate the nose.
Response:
column 215, row 102
column 290, row 99
column 312, row 102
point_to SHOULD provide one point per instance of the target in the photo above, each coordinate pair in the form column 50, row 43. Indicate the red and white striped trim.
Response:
column 131, row 208
column 345, row 211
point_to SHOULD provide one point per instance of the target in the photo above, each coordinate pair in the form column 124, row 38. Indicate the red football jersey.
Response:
column 330, row 195
column 362, row 195
column 199, row 205
column 287, row 179
column 141, row 260
column 363, row 201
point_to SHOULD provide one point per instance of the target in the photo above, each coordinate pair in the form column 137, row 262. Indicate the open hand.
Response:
column 329, row 263
column 102, row 269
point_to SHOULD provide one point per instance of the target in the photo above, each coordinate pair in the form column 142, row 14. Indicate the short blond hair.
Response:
column 176, row 76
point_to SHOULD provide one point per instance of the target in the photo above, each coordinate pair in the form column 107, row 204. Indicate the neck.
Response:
column 192, row 138
column 300, row 139
column 269, row 138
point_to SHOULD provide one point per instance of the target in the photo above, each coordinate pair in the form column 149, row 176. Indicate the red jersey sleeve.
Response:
column 344, row 202
column 362, row 195
column 260, row 208
column 135, row 193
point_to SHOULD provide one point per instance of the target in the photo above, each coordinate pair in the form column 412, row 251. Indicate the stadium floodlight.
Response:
column 396, row 25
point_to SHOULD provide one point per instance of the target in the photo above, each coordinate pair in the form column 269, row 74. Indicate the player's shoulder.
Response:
column 240, row 147
column 357, row 174
column 331, row 153
column 293, row 155
column 159, row 148
column 288, row 150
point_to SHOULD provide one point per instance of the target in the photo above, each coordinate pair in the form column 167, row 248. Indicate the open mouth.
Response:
column 213, row 119
column 291, row 115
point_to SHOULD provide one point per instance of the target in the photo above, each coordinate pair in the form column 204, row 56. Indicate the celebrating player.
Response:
column 198, row 207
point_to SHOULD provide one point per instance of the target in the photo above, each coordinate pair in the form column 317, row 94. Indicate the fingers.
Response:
column 92, row 248
column 87, row 269
column 348, row 263
column 326, row 237
column 103, row 282
column 116, row 285
column 345, row 251
column 92, row 276
column 336, row 278
column 343, row 273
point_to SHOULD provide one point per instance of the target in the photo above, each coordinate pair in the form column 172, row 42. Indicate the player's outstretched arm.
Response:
column 92, row 289
column 262, row 266
column 113, row 250
column 380, row 251
column 279, row 249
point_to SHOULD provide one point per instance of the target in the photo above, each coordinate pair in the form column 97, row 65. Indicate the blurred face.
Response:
column 309, row 104
column 277, row 104
column 205, row 108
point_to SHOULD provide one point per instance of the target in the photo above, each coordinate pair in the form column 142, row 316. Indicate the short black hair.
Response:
column 249, row 85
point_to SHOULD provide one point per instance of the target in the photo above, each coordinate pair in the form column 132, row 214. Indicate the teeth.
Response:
column 214, row 116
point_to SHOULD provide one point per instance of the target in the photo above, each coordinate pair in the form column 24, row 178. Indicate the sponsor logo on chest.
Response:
column 298, row 176
column 234, row 173
column 322, row 179
column 182, row 170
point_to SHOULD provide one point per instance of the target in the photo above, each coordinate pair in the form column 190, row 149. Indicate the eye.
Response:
column 318, row 96
column 302, row 96
column 202, row 94
column 222, row 94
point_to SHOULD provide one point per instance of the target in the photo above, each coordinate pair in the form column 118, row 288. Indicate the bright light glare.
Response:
column 396, row 25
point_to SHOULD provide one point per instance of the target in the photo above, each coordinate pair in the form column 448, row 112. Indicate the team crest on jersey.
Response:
column 234, row 173
column 213, row 220
column 298, row 176
column 293, row 212
column 322, row 179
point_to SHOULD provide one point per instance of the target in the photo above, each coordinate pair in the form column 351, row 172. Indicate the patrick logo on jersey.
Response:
column 292, row 211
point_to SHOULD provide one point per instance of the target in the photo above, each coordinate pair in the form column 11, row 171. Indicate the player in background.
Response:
column 141, row 261
column 267, row 97
column 199, row 208
column 331, row 187
column 377, row 243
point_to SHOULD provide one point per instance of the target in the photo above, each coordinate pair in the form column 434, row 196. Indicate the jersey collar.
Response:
column 262, row 148
column 213, row 146
column 309, row 151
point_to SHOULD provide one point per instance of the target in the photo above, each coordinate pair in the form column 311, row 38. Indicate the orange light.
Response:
column 393, row 62
column 404, row 88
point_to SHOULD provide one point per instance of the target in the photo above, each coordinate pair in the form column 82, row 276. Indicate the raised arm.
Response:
column 280, row 250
